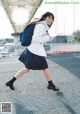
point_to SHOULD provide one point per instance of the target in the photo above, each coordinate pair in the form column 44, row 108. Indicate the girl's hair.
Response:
column 47, row 14
column 43, row 17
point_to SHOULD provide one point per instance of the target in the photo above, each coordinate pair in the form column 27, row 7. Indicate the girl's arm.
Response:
column 40, row 34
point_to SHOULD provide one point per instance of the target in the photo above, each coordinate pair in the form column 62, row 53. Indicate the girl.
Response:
column 34, row 55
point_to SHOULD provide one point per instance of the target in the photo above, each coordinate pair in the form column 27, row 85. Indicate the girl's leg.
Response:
column 49, row 79
column 47, row 74
column 21, row 72
column 18, row 74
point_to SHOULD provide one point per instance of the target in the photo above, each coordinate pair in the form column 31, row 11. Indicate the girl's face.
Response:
column 49, row 20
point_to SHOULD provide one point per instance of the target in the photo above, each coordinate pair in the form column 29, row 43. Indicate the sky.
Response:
column 66, row 12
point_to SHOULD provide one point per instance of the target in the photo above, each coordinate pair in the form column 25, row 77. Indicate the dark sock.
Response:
column 50, row 83
column 52, row 86
column 13, row 79
column 10, row 83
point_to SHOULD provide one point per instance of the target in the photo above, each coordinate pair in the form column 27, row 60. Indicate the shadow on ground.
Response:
column 65, row 102
column 20, row 109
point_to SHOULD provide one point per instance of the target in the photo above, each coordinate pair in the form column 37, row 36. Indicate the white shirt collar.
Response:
column 45, row 24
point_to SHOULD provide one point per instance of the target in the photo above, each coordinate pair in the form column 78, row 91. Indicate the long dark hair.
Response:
column 43, row 17
column 47, row 14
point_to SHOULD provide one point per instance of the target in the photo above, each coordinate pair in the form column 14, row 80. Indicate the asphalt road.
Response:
column 70, row 61
column 31, row 95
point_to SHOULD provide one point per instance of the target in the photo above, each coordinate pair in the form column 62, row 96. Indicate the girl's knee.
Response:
column 26, row 70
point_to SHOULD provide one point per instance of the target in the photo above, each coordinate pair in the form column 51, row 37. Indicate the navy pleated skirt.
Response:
column 32, row 61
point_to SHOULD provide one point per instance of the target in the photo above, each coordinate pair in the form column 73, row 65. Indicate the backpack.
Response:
column 26, row 35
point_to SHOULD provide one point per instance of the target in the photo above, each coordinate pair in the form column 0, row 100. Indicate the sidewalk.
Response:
column 31, row 95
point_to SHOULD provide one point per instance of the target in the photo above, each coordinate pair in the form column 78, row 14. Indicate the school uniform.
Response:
column 34, row 55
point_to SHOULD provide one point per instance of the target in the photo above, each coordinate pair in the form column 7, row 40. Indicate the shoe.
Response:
column 10, row 85
column 53, row 88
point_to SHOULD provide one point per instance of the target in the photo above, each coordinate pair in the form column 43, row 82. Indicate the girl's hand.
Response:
column 47, row 33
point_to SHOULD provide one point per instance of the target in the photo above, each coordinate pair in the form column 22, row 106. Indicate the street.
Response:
column 31, row 95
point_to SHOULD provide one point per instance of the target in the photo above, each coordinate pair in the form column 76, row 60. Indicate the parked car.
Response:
column 5, row 54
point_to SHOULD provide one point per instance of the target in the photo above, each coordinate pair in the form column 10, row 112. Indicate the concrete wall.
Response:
column 64, row 47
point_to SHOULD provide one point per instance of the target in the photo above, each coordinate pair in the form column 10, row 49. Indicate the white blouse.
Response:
column 39, row 38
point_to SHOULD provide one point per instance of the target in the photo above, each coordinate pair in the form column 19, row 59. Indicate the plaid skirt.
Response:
column 32, row 61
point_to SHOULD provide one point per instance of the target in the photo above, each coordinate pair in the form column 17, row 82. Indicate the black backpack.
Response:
column 26, row 35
